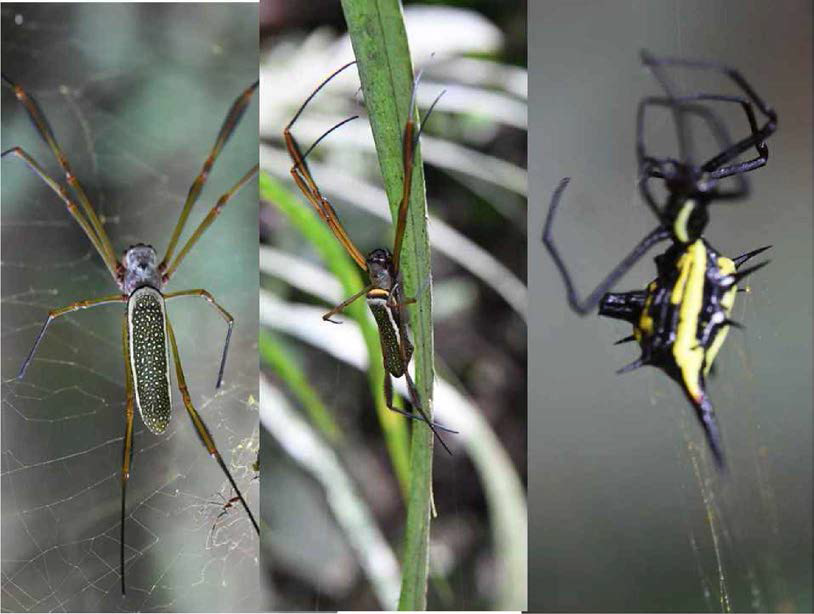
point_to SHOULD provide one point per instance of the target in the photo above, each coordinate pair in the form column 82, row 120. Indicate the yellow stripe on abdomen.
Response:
column 688, row 296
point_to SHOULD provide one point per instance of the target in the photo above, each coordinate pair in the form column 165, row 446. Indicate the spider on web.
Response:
column 147, row 334
column 681, row 319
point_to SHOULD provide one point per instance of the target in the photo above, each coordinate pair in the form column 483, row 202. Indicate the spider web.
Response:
column 135, row 96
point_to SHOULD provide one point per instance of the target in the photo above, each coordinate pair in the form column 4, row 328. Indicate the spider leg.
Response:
column 207, row 221
column 307, row 185
column 758, row 135
column 585, row 305
column 415, row 401
column 200, row 426
column 44, row 129
column 71, row 206
column 715, row 165
column 233, row 117
column 388, row 397
column 345, row 303
column 409, row 145
column 227, row 317
column 305, row 181
column 718, row 130
column 128, row 441
column 55, row 313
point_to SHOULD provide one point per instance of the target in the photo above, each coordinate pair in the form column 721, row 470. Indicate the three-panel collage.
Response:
column 299, row 306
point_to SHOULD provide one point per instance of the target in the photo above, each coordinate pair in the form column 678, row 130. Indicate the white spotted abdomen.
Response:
column 149, row 357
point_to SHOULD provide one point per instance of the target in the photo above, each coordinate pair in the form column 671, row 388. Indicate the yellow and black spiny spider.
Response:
column 682, row 318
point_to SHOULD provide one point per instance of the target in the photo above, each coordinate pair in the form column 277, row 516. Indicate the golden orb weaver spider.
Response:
column 682, row 318
column 385, row 293
column 147, row 335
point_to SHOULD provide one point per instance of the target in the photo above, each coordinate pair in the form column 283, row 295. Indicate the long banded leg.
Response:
column 200, row 426
column 585, row 305
column 345, row 303
column 227, row 317
column 291, row 143
column 409, row 145
column 128, row 439
column 72, row 208
column 305, row 181
column 41, row 124
column 55, row 313
column 421, row 417
column 415, row 401
column 229, row 124
column 207, row 221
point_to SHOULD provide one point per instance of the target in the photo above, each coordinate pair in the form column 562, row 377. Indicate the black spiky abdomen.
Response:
column 149, row 357
column 683, row 320
column 390, row 337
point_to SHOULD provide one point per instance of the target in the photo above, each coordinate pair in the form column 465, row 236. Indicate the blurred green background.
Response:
column 622, row 489
column 331, row 498
column 135, row 94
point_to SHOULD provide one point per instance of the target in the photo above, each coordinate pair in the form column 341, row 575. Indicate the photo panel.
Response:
column 629, row 510
column 365, row 509
column 135, row 96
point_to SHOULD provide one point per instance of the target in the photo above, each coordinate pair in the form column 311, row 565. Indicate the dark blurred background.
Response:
column 135, row 95
column 474, row 150
column 626, row 511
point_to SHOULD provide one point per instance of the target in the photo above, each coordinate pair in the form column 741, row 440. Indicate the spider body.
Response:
column 384, row 294
column 383, row 300
column 149, row 354
column 149, row 357
column 148, row 339
column 681, row 319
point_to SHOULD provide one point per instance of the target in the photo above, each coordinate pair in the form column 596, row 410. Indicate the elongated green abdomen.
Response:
column 149, row 357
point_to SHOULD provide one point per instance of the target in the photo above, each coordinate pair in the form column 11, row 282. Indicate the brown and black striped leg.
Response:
column 229, row 124
column 207, row 221
column 128, row 439
column 200, row 426
column 413, row 393
column 55, row 313
column 345, row 303
column 72, row 208
column 227, row 317
column 44, row 129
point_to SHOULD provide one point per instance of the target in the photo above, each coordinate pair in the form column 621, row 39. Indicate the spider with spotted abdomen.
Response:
column 147, row 334
column 683, row 316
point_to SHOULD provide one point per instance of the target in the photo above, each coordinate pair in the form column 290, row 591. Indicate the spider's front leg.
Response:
column 584, row 306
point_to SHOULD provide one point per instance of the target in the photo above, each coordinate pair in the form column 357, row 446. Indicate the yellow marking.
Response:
column 688, row 294
column 378, row 293
column 680, row 225
column 727, row 267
